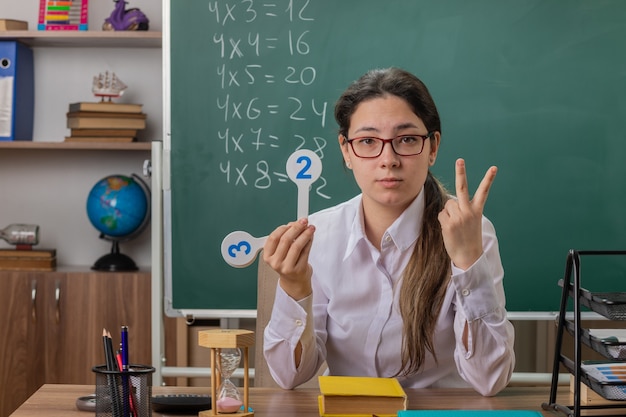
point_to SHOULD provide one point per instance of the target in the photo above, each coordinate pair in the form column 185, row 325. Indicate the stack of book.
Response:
column 28, row 260
column 104, row 121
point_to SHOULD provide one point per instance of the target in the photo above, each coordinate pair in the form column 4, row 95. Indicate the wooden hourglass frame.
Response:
column 216, row 339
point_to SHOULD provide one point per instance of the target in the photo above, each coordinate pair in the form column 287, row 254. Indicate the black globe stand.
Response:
column 115, row 261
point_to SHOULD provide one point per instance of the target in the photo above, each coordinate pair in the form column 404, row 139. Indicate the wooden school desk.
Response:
column 56, row 400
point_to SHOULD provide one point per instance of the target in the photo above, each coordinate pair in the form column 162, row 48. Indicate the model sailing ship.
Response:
column 107, row 85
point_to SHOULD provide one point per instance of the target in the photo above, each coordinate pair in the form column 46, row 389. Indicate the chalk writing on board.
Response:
column 249, row 34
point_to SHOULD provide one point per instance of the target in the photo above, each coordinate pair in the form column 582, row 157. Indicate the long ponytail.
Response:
column 424, row 283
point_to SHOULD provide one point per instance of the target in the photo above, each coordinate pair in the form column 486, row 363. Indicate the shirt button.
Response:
column 298, row 323
column 465, row 292
column 387, row 238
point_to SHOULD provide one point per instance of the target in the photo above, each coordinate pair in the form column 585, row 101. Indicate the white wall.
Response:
column 50, row 187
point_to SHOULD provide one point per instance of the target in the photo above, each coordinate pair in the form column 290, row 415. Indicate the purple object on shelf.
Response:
column 122, row 19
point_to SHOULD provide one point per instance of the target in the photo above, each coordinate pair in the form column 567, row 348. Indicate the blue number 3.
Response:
column 232, row 249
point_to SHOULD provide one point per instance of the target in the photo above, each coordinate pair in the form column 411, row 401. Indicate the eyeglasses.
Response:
column 403, row 145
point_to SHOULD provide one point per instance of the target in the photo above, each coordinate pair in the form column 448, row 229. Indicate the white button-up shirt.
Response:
column 352, row 320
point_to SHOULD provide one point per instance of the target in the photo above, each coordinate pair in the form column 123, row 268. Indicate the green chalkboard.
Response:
column 536, row 87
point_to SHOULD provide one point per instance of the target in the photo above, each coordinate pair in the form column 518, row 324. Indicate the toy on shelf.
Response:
column 108, row 85
column 125, row 19
column 63, row 15
column 24, row 236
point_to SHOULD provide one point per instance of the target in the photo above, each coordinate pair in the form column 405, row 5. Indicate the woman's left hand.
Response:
column 461, row 218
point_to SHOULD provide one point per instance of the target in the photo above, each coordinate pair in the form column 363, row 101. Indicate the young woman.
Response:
column 402, row 280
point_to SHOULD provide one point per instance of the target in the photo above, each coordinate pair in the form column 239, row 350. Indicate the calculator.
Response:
column 181, row 403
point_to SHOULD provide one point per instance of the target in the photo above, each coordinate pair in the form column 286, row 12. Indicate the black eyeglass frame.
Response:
column 429, row 135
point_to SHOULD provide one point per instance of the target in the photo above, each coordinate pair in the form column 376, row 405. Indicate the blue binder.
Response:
column 17, row 91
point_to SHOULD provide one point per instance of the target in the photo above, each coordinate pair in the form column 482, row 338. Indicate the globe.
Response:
column 118, row 206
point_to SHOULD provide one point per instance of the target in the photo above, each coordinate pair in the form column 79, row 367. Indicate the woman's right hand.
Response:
column 286, row 251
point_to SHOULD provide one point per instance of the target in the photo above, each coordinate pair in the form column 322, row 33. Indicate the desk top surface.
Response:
column 57, row 400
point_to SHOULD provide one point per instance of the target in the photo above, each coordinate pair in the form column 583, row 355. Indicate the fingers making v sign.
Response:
column 461, row 218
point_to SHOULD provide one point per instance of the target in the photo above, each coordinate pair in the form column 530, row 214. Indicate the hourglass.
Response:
column 227, row 348
column 228, row 398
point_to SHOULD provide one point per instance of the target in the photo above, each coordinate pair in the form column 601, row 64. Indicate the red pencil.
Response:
column 131, row 398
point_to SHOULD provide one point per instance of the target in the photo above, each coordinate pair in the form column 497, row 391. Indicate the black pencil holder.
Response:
column 124, row 393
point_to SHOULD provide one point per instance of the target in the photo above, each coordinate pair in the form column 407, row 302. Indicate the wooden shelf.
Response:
column 85, row 39
column 76, row 270
column 104, row 146
column 86, row 269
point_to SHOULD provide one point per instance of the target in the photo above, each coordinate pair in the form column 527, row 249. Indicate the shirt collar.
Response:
column 404, row 231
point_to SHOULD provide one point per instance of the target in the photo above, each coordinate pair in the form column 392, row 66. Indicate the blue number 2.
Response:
column 232, row 249
column 302, row 174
